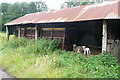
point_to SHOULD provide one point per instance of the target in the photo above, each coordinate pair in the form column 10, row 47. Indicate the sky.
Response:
column 52, row 4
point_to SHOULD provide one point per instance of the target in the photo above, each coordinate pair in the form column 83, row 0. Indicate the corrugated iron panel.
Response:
column 105, row 10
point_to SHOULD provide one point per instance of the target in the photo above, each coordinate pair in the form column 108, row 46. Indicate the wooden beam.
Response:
column 19, row 32
column 104, row 37
column 7, row 33
column 36, row 32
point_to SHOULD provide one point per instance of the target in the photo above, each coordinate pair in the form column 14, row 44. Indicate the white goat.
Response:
column 86, row 50
column 78, row 49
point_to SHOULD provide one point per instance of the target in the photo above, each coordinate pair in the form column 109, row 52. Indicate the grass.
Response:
column 25, row 58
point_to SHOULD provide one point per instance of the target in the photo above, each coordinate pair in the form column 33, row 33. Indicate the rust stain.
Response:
column 105, row 10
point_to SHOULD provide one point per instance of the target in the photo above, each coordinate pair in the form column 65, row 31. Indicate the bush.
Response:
column 41, row 58
column 103, row 65
column 104, row 59
column 40, row 46
column 48, row 44
column 44, row 46
column 15, row 43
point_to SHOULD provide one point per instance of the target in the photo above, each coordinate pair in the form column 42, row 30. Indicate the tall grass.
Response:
column 25, row 58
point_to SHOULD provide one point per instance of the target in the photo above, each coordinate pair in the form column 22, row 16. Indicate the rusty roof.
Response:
column 104, row 10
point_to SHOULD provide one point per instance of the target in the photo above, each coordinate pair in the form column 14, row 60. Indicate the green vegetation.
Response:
column 25, row 58
column 9, row 11
column 73, row 3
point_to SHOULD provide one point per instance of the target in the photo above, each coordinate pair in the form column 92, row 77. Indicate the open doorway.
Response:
column 86, row 33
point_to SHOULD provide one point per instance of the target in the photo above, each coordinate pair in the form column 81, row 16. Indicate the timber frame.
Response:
column 104, row 36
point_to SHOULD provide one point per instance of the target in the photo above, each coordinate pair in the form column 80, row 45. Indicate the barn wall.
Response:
column 113, row 43
column 54, row 33
column 28, row 32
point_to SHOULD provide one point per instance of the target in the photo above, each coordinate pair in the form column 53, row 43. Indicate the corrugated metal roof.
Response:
column 104, row 10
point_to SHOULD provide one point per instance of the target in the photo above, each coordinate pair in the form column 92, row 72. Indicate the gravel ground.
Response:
column 3, row 74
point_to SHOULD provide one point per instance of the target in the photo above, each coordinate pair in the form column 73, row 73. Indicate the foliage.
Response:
column 41, row 46
column 103, row 65
column 73, row 3
column 42, row 59
column 105, row 59
column 69, row 4
column 47, row 44
column 15, row 43
column 13, row 11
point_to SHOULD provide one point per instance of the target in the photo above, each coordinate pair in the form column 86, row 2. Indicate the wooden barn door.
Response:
column 113, row 47
column 113, row 42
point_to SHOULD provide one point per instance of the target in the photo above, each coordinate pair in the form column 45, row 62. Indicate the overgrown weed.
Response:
column 25, row 58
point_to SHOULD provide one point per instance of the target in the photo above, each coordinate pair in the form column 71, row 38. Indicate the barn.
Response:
column 96, row 26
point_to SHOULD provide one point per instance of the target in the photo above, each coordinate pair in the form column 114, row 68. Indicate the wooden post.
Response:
column 19, row 32
column 64, row 39
column 104, row 37
column 24, row 32
column 52, row 33
column 36, row 32
column 7, row 33
column 41, row 33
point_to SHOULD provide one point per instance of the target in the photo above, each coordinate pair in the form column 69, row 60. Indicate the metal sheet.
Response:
column 105, row 10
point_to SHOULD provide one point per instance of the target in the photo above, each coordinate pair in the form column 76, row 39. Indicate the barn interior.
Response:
column 89, row 33
column 85, row 33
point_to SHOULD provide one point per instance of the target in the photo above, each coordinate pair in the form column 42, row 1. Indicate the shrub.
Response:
column 40, row 46
column 43, row 46
column 105, row 59
column 103, row 65
column 15, row 43
column 41, row 58
column 108, row 59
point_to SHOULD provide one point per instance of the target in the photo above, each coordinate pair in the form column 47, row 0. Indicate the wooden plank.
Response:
column 53, row 28
column 104, row 38
column 58, row 37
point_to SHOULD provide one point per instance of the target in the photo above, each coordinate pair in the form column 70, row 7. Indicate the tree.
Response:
column 72, row 3
column 32, row 7
column 4, row 7
column 98, row 1
column 41, row 6
column 10, row 12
